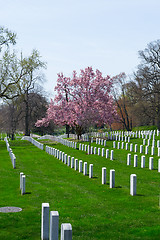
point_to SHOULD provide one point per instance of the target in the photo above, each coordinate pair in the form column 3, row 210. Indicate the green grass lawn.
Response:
column 94, row 210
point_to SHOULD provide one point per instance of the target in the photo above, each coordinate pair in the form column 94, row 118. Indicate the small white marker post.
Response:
column 133, row 183
column 104, row 175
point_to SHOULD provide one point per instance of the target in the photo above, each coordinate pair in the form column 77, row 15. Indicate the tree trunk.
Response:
column 27, row 131
column 67, row 130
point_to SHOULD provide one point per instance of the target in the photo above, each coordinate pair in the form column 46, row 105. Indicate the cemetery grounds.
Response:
column 95, row 211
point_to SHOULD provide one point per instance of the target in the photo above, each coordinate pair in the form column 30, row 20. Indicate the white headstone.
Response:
column 111, row 156
column 21, row 174
column 126, row 146
column 131, row 147
column 142, row 161
column 69, row 161
column 146, row 150
column 135, row 160
column 128, row 159
column 159, row 152
column 152, row 150
column 76, row 164
column 102, row 152
column 99, row 151
column 158, row 165
column 104, row 175
column 107, row 153
column 45, row 221
column 80, row 165
column 91, row 149
column 133, row 184
column 72, row 162
column 23, row 189
column 135, row 148
column 151, row 163
column 112, row 178
column 85, row 169
column 66, row 231
column 54, row 225
column 90, row 170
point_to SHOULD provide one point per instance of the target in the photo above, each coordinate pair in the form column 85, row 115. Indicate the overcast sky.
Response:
column 73, row 34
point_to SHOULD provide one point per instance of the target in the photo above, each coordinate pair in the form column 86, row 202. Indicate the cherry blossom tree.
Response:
column 81, row 101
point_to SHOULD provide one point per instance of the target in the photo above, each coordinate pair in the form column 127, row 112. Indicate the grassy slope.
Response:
column 94, row 210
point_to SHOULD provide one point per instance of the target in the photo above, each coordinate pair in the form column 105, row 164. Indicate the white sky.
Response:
column 74, row 34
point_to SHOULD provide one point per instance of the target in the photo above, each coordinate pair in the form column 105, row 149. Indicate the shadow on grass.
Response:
column 27, row 193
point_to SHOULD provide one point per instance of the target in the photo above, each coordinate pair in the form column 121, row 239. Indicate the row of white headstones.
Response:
column 11, row 154
column 70, row 161
column 13, row 160
column 100, row 141
column 33, row 141
column 50, row 225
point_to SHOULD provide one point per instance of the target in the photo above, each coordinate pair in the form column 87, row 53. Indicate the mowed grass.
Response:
column 94, row 210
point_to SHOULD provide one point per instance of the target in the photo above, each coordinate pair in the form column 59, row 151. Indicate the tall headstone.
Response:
column 135, row 148
column 158, row 165
column 152, row 150
column 23, row 189
column 151, row 163
column 135, row 160
column 107, row 153
column 111, row 156
column 76, row 164
column 112, row 178
column 54, row 225
column 72, row 162
column 21, row 174
column 104, row 175
column 66, row 231
column 126, row 146
column 90, row 170
column 146, row 150
column 133, row 184
column 142, row 161
column 158, row 151
column 85, row 168
column 91, row 149
column 45, row 221
column 80, row 165
column 102, row 152
column 141, row 148
column 128, row 159
column 131, row 147
column 99, row 151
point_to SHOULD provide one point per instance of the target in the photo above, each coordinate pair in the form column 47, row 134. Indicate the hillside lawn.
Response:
column 94, row 210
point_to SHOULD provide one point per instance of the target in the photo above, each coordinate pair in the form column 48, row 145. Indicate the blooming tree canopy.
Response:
column 81, row 101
